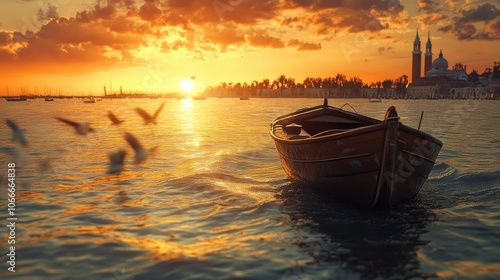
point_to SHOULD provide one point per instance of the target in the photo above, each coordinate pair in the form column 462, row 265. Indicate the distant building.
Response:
column 439, row 81
column 368, row 92
column 428, row 53
column 416, row 64
column 493, row 81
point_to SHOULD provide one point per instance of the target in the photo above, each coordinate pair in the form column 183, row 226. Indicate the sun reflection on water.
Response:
column 210, row 197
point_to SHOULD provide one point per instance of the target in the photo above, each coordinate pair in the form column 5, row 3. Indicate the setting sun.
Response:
column 187, row 85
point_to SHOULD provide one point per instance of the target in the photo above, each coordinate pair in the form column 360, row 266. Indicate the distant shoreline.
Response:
column 170, row 96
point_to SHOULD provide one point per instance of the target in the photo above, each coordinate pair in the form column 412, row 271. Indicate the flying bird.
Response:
column 114, row 119
column 81, row 128
column 147, row 117
column 140, row 152
column 116, row 159
column 17, row 133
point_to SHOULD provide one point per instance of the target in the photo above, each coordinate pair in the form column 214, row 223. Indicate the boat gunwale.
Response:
column 323, row 108
column 377, row 124
column 348, row 133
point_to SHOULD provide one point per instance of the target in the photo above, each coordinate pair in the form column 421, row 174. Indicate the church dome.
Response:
column 440, row 63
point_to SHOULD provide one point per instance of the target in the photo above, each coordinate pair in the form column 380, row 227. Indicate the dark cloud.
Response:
column 304, row 46
column 361, row 22
column 330, row 17
column 393, row 6
column 493, row 27
column 98, row 12
column 382, row 50
column 476, row 23
column 150, row 11
column 484, row 12
column 5, row 38
column 49, row 13
column 237, row 11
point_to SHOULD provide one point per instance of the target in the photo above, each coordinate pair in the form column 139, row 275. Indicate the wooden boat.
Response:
column 358, row 159
column 89, row 100
column 20, row 98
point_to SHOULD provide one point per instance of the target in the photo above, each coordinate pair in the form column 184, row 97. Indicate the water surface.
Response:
column 214, row 203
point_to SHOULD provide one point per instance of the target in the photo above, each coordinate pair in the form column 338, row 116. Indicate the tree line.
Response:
column 348, row 87
column 340, row 83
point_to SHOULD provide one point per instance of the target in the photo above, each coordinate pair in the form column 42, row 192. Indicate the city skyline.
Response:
column 77, row 46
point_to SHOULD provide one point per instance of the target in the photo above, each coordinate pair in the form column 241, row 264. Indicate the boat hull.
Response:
column 381, row 164
column 15, row 99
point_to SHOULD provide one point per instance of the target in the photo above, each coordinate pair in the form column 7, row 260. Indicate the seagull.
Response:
column 45, row 165
column 147, row 117
column 81, row 128
column 116, row 161
column 114, row 119
column 140, row 152
column 17, row 133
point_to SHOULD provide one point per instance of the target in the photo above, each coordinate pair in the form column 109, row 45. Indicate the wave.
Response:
column 443, row 172
column 448, row 187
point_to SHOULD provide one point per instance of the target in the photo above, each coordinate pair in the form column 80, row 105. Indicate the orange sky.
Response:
column 78, row 46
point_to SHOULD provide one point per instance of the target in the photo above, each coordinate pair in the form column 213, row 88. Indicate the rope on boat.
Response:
column 349, row 106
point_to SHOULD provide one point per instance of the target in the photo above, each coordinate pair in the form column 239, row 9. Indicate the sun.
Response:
column 187, row 85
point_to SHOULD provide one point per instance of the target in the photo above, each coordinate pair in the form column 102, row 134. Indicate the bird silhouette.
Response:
column 147, row 117
column 114, row 119
column 17, row 133
column 81, row 128
column 116, row 159
column 140, row 152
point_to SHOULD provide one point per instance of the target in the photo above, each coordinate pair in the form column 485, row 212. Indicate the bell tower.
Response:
column 416, row 64
column 428, row 54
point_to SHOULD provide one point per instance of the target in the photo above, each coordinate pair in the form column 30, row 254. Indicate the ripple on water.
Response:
column 214, row 202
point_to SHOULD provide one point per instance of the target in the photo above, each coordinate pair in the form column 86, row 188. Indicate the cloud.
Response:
column 392, row 6
column 427, row 5
column 382, row 50
column 484, row 12
column 49, row 13
column 5, row 38
column 303, row 46
column 476, row 23
column 328, row 18
column 223, row 35
column 493, row 27
column 430, row 18
column 99, row 37
column 111, row 32
column 259, row 39
column 236, row 11
column 150, row 11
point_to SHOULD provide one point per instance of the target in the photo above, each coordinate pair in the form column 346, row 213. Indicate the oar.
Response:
column 420, row 122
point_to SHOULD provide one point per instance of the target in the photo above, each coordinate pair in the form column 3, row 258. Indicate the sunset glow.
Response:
column 76, row 47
